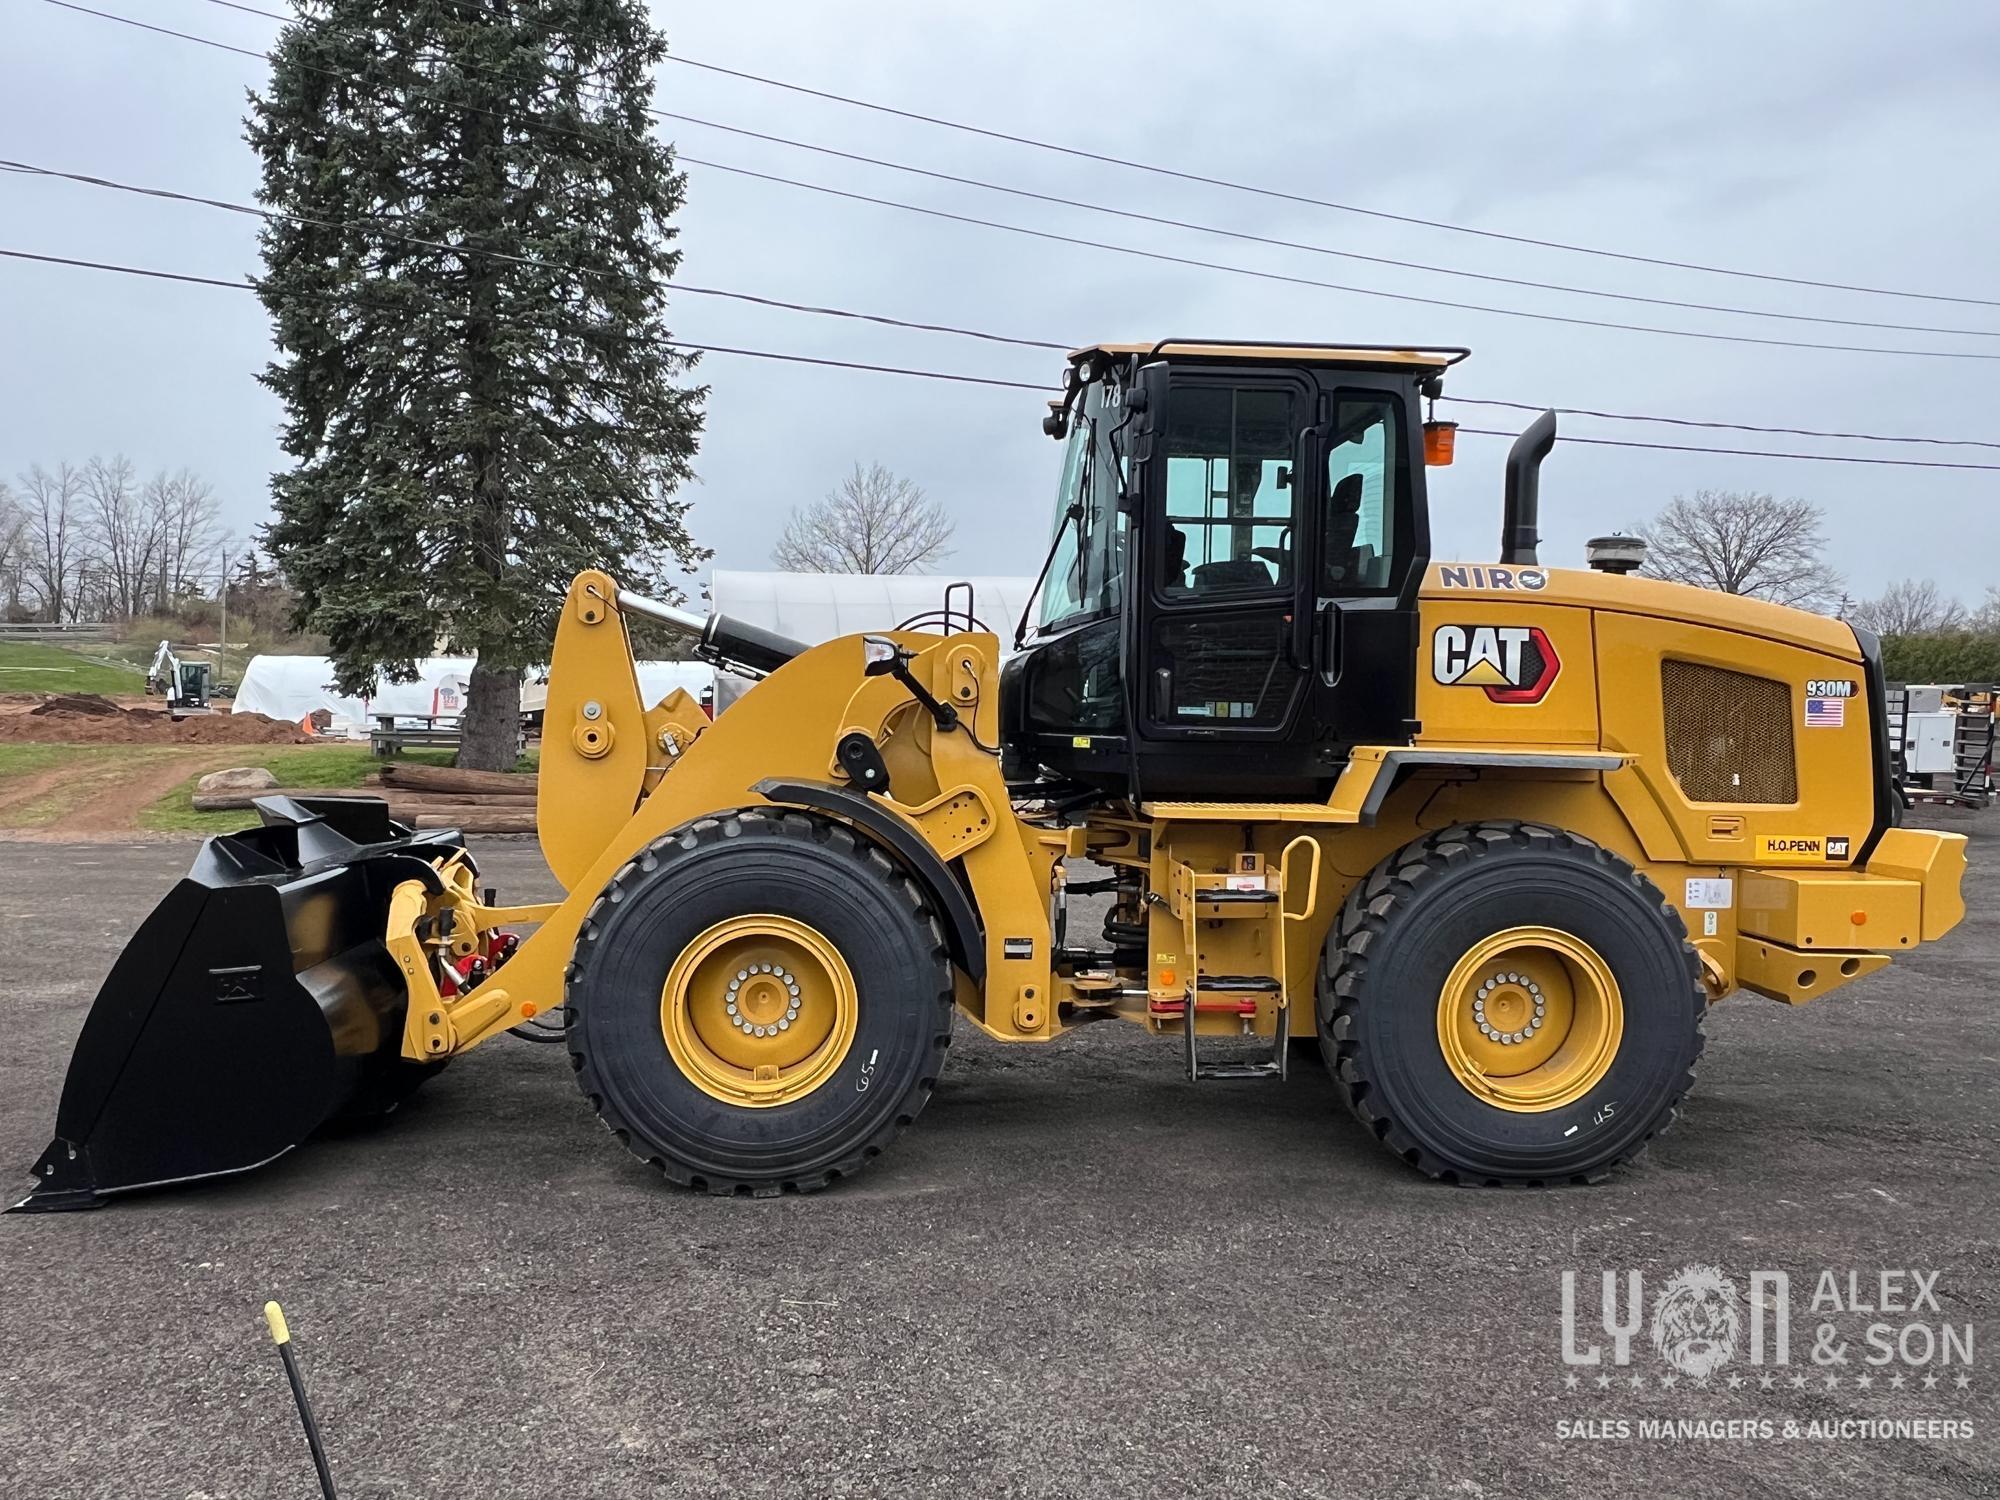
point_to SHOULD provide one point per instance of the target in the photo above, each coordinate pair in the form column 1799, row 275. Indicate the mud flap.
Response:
column 256, row 1005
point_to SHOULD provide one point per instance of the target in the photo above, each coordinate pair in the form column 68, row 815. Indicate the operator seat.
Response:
column 1346, row 564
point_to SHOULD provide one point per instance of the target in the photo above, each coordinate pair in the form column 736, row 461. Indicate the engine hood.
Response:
column 1586, row 588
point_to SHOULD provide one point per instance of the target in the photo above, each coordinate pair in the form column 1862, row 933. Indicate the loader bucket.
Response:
column 255, row 1005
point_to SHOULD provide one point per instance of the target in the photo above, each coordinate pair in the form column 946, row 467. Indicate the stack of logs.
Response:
column 423, row 796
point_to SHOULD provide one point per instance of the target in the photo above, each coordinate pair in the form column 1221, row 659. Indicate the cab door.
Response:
column 1366, row 485
column 1222, row 647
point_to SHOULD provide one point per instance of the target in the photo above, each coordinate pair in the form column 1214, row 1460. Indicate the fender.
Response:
column 902, row 843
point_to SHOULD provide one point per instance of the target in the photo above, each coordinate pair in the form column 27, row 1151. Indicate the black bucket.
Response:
column 255, row 1005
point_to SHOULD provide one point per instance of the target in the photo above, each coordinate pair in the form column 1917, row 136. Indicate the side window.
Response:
column 1367, row 481
column 1229, row 490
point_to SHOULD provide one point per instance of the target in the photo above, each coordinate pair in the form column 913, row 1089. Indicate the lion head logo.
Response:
column 1696, row 1320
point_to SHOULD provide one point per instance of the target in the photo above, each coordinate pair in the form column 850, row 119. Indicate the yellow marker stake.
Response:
column 281, row 1335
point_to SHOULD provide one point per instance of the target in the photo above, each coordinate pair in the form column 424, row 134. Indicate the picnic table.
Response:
column 395, row 733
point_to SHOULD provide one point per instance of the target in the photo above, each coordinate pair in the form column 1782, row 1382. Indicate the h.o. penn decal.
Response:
column 1476, row 576
column 1512, row 663
column 1796, row 849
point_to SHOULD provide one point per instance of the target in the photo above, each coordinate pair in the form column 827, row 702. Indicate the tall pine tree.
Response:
column 468, row 298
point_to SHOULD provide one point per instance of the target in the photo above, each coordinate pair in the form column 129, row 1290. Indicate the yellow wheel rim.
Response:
column 759, row 1011
column 1530, row 1019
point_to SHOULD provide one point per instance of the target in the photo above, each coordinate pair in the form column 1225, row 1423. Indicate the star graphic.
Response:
column 1963, row 1380
column 1930, row 1381
column 1735, row 1382
column 1864, row 1381
column 1667, row 1381
column 1766, row 1381
column 1798, row 1382
column 1603, row 1382
column 1832, row 1381
column 1570, row 1380
column 1899, row 1380
column 1637, row 1382
column 1702, row 1381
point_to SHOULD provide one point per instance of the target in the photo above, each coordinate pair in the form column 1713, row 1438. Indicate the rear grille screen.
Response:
column 1729, row 735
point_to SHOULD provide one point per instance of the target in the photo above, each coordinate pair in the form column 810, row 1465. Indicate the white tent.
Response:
column 815, row 607
column 291, row 687
column 656, row 680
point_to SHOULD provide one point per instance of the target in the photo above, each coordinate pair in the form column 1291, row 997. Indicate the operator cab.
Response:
column 1229, row 603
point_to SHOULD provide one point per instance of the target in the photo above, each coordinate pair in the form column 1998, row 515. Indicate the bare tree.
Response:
column 1986, row 618
column 874, row 523
column 1911, row 607
column 52, row 503
column 1743, row 543
column 13, row 549
column 125, row 537
column 182, row 510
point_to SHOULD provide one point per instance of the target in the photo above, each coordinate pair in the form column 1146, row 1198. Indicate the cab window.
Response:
column 1229, row 491
column 1367, row 488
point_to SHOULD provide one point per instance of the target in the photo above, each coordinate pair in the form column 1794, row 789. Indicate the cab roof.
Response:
column 1324, row 354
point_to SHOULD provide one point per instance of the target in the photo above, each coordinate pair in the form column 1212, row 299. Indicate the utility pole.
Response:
column 222, row 645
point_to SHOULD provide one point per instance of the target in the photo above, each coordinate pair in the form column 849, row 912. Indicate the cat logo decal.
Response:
column 1512, row 663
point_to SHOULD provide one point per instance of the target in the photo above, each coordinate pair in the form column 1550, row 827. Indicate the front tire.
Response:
column 759, row 1002
column 1508, row 1003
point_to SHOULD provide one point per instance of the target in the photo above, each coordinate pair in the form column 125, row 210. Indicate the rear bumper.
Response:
column 1804, row 933
column 1935, row 863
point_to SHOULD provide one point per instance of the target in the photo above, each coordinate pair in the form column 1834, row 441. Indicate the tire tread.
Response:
column 871, row 864
column 1367, row 919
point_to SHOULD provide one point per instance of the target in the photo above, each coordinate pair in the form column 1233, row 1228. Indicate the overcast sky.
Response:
column 1847, row 142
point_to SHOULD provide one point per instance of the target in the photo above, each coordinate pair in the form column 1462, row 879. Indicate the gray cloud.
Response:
column 1837, row 140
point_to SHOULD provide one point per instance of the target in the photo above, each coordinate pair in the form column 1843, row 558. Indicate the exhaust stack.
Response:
column 1518, row 535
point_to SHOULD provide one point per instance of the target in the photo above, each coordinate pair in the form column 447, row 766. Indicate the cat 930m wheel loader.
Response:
column 1494, row 835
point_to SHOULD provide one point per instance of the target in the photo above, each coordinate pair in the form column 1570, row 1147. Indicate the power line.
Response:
column 1310, row 249
column 1081, row 153
column 1290, row 197
column 376, row 224
column 1335, row 286
column 1135, row 251
column 1905, row 463
column 681, row 344
column 1823, row 458
column 1616, row 416
column 1133, row 215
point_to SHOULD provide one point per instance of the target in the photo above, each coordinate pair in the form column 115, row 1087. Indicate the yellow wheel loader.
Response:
column 1492, row 835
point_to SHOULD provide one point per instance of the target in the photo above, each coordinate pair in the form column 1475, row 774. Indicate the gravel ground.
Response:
column 1077, row 1275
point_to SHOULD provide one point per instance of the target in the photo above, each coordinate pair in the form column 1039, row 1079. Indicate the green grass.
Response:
column 137, row 651
column 34, row 667
column 333, row 767
column 25, row 760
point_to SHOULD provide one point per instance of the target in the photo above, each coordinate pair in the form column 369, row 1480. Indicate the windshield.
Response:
column 1087, row 568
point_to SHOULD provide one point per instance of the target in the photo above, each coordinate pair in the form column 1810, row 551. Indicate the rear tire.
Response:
column 850, row 911
column 1430, row 932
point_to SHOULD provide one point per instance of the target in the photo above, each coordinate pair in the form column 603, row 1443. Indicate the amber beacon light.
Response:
column 1440, row 438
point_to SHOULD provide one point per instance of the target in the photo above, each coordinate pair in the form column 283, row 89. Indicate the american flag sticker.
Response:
column 1826, row 713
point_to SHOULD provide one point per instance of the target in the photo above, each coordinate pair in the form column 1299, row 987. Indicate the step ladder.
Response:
column 1251, row 892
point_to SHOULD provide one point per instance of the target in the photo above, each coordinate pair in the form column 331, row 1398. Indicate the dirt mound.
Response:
column 88, row 704
column 86, row 719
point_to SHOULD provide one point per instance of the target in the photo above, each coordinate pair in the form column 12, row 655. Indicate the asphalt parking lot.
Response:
column 1077, row 1275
